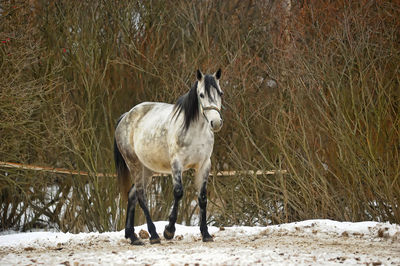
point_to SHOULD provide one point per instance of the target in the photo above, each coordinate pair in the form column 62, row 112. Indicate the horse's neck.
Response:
column 200, row 130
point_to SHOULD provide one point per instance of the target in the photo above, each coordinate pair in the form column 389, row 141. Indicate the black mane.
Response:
column 189, row 104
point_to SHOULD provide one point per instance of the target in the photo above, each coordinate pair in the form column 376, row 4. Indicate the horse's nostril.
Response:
column 216, row 125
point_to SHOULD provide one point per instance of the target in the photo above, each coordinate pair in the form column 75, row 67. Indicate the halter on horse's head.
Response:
column 203, row 101
column 210, row 98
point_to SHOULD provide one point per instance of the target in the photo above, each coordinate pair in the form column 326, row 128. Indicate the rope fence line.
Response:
column 84, row 173
column 48, row 169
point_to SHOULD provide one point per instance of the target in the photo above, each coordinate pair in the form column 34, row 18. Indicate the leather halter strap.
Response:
column 211, row 107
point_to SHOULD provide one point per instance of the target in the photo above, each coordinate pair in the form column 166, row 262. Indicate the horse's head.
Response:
column 210, row 94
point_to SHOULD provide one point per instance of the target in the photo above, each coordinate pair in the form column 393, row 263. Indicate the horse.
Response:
column 156, row 137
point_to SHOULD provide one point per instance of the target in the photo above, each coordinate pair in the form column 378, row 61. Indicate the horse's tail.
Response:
column 123, row 174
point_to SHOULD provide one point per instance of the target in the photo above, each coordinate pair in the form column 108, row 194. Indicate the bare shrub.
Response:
column 310, row 87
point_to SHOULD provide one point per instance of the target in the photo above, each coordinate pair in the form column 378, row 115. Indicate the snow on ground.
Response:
column 312, row 242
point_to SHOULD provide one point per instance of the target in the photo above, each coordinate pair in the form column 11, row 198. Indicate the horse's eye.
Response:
column 201, row 95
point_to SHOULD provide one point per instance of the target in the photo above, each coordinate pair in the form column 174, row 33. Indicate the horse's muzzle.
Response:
column 216, row 125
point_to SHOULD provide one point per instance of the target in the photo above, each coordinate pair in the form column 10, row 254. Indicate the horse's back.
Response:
column 149, row 116
column 145, row 114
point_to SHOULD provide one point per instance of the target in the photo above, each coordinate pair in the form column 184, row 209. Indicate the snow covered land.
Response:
column 312, row 242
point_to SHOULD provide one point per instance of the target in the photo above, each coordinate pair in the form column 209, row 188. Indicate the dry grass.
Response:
column 69, row 69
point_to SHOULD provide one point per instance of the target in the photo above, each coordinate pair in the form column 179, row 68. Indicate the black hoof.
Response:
column 208, row 238
column 155, row 240
column 130, row 233
column 168, row 234
column 137, row 242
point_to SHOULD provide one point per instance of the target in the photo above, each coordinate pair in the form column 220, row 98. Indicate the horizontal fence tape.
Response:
column 83, row 173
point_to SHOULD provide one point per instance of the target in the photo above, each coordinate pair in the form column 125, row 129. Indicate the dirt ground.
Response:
column 266, row 248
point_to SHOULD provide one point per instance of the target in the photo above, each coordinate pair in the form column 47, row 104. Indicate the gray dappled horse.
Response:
column 158, row 137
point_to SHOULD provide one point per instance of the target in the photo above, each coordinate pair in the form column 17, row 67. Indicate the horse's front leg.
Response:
column 201, row 180
column 169, row 231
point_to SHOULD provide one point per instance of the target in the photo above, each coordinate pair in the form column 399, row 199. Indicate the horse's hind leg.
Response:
column 141, row 190
column 130, row 217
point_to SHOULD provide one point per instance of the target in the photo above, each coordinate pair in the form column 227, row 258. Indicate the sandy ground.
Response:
column 230, row 247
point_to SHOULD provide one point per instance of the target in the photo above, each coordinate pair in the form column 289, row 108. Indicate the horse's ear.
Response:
column 218, row 74
column 199, row 75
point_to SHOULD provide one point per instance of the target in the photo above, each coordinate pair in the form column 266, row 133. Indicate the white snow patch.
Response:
column 307, row 242
column 369, row 230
